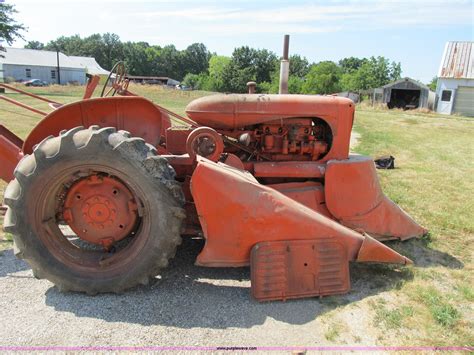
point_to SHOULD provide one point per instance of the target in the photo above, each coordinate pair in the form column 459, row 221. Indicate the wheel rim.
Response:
column 101, row 210
column 87, row 251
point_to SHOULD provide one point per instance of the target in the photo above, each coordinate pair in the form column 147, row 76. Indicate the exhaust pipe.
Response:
column 284, row 66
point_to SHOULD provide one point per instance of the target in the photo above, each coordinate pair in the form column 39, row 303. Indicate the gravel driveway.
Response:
column 187, row 306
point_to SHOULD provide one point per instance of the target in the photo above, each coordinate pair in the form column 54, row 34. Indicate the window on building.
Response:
column 446, row 95
column 53, row 74
column 28, row 73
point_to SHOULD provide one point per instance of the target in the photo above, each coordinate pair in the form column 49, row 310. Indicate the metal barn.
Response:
column 26, row 64
column 455, row 88
column 407, row 93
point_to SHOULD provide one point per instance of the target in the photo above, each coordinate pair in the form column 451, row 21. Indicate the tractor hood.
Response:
column 233, row 111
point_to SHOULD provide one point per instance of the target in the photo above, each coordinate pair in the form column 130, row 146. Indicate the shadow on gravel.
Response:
column 9, row 264
column 188, row 296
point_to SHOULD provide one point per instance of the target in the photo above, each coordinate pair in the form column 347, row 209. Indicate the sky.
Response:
column 411, row 32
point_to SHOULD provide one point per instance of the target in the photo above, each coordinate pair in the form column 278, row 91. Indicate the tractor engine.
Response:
column 290, row 139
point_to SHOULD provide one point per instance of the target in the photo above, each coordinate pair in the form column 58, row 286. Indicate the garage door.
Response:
column 464, row 101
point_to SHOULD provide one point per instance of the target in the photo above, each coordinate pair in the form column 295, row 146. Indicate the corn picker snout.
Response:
column 102, row 190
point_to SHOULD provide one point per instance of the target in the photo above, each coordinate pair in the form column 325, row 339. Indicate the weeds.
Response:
column 466, row 291
column 390, row 318
column 333, row 332
column 441, row 310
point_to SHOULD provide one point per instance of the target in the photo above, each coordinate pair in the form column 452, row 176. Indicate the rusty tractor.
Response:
column 102, row 190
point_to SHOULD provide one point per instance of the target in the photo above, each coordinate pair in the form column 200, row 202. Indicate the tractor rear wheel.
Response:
column 94, row 210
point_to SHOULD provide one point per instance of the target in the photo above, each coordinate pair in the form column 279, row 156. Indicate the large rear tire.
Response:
column 36, row 218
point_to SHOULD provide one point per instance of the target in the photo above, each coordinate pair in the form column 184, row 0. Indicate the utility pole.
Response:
column 57, row 60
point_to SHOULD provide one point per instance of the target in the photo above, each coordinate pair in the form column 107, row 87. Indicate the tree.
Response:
column 113, row 50
column 372, row 73
column 351, row 64
column 323, row 78
column 198, row 81
column 169, row 63
column 295, row 84
column 265, row 63
column 217, row 64
column 235, row 79
column 196, row 58
column 72, row 45
column 299, row 66
column 135, row 57
column 248, row 64
column 191, row 80
column 34, row 45
column 395, row 71
column 433, row 83
column 9, row 28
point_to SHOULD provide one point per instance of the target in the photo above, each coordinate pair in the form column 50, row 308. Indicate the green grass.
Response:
column 441, row 310
column 429, row 303
column 390, row 318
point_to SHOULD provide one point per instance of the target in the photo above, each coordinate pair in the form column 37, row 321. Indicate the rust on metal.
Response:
column 100, row 210
column 92, row 83
column 206, row 142
column 267, row 180
column 119, row 112
column 256, row 213
column 457, row 61
column 252, row 87
column 355, row 198
column 10, row 153
column 299, row 268
column 290, row 169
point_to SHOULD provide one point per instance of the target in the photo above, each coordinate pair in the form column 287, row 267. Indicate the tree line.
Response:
column 200, row 69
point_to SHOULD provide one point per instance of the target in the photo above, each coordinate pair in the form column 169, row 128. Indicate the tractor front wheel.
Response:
column 94, row 210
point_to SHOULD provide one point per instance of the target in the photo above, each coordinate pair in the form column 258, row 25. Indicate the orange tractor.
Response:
column 102, row 190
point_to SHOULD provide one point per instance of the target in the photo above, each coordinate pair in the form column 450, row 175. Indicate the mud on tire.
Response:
column 40, row 180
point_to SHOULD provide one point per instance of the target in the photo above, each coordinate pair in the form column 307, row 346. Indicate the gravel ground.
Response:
column 187, row 306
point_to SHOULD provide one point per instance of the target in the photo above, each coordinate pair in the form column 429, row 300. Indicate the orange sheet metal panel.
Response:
column 176, row 139
column 135, row 114
column 299, row 268
column 236, row 212
column 233, row 111
column 308, row 193
column 355, row 198
column 10, row 153
column 289, row 169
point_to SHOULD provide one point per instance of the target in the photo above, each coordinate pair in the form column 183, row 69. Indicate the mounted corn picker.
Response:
column 267, row 180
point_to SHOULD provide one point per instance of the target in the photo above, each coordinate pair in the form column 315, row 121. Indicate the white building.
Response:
column 26, row 64
column 455, row 88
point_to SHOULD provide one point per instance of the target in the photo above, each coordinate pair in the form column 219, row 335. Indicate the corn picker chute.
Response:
column 102, row 189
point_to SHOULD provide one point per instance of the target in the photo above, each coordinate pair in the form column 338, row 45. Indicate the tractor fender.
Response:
column 354, row 197
column 134, row 114
column 10, row 153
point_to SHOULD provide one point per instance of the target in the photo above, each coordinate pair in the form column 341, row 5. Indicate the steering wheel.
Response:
column 119, row 83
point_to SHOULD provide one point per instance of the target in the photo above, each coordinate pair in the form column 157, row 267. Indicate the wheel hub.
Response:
column 100, row 210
